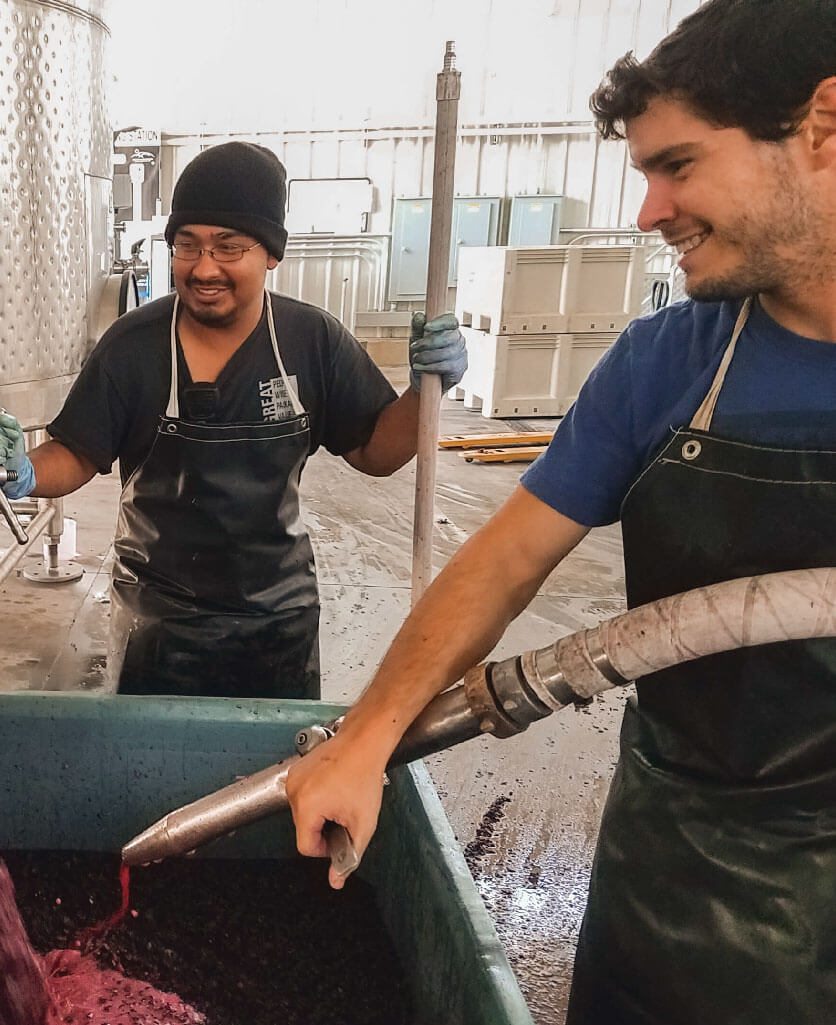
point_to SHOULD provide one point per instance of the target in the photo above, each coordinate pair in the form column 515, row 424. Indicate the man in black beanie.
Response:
column 212, row 399
column 236, row 185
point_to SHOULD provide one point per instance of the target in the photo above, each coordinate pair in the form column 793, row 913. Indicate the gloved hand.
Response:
column 436, row 347
column 13, row 457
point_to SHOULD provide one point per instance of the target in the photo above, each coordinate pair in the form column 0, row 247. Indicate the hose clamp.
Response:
column 601, row 660
column 545, row 677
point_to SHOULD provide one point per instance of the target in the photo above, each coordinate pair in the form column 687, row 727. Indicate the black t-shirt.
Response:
column 114, row 408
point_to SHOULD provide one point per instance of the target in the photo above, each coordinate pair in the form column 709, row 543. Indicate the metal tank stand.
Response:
column 51, row 571
column 28, row 519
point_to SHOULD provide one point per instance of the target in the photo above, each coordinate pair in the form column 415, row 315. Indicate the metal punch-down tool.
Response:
column 246, row 800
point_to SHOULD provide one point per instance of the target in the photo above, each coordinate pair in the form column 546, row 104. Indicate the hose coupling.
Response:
column 483, row 703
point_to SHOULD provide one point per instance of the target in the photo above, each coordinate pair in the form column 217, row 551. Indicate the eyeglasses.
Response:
column 223, row 252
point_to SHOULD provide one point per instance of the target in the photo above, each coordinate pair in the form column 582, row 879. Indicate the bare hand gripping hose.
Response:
column 505, row 697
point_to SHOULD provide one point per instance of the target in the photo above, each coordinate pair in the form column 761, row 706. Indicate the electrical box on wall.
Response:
column 535, row 221
column 475, row 223
column 410, row 249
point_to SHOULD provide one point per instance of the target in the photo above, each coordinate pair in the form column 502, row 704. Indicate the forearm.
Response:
column 58, row 470
column 393, row 441
column 454, row 626
column 462, row 616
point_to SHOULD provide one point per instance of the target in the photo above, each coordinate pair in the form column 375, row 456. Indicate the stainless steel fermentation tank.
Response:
column 55, row 199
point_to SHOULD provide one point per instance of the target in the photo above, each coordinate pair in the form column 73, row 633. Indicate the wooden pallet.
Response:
column 516, row 454
column 526, row 438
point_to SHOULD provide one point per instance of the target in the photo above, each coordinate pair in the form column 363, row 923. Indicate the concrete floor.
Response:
column 534, row 801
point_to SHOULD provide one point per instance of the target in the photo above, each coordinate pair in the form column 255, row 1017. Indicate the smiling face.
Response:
column 221, row 295
column 740, row 212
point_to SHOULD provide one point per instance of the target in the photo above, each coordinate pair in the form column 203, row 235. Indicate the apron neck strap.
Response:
column 172, row 411
column 298, row 408
column 702, row 418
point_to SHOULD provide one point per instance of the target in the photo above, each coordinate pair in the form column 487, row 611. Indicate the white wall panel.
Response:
column 262, row 65
column 296, row 155
column 379, row 162
column 346, row 88
column 653, row 21
column 407, row 168
column 591, row 174
column 580, row 168
column 525, row 171
column 467, row 169
column 587, row 44
column 605, row 201
column 351, row 159
column 325, row 158
column 493, row 166
column 620, row 28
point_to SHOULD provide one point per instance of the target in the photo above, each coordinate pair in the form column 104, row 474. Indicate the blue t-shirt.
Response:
column 779, row 389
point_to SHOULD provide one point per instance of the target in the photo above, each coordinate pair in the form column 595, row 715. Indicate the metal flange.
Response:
column 483, row 704
column 62, row 574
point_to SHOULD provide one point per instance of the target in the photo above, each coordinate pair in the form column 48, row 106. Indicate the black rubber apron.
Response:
column 214, row 588
column 713, row 895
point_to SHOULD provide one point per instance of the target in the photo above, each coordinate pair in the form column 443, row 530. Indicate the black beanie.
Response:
column 236, row 185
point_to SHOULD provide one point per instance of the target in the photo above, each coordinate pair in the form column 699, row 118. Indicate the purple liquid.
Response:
column 67, row 987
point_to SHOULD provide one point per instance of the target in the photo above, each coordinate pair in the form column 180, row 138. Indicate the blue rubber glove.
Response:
column 436, row 347
column 13, row 457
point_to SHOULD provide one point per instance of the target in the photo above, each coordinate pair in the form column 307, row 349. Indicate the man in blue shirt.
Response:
column 709, row 430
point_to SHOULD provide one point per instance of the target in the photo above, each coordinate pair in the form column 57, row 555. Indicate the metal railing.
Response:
column 34, row 517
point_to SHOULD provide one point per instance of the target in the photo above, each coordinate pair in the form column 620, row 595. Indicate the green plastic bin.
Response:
column 86, row 772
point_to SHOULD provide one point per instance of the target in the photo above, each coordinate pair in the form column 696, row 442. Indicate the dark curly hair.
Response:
column 750, row 64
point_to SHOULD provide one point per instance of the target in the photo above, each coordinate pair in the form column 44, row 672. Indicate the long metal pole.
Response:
column 448, row 88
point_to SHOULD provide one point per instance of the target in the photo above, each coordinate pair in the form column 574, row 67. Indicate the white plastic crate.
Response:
column 528, row 374
column 578, row 355
column 507, row 290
